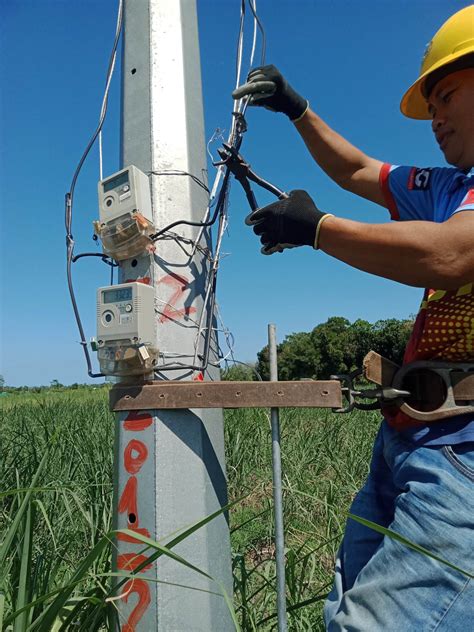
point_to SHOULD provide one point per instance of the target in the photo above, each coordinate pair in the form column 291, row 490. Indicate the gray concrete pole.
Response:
column 170, row 469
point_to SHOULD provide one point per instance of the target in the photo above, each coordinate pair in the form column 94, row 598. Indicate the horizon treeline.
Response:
column 336, row 346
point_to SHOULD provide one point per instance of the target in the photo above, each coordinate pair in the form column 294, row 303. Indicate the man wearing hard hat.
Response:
column 421, row 481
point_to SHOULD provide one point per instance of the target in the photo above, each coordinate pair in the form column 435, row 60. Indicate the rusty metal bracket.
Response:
column 176, row 394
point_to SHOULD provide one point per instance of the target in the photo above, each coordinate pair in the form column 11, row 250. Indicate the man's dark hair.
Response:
column 467, row 61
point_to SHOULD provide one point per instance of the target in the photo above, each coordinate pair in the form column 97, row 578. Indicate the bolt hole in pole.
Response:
column 133, row 71
column 277, row 490
column 132, row 518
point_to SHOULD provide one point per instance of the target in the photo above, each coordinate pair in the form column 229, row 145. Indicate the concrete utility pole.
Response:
column 170, row 469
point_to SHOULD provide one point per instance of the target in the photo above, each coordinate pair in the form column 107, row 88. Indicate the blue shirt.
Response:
column 444, row 327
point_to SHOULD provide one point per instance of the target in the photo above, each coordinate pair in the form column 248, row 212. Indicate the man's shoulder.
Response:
column 424, row 178
column 421, row 183
column 422, row 193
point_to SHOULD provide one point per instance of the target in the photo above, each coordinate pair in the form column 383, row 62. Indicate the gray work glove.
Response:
column 267, row 87
column 287, row 223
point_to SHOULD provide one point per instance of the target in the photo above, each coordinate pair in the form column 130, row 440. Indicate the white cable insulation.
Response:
column 101, row 175
column 255, row 27
column 107, row 87
column 240, row 106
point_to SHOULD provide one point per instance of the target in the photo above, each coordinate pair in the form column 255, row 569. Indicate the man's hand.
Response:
column 267, row 87
column 287, row 223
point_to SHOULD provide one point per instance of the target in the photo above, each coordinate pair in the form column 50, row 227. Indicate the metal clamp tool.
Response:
column 425, row 390
column 243, row 173
column 384, row 395
column 439, row 390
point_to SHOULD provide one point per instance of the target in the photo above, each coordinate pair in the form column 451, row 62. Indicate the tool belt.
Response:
column 426, row 390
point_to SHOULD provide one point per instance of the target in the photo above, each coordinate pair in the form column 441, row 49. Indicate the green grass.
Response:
column 55, row 497
column 56, row 456
column 324, row 460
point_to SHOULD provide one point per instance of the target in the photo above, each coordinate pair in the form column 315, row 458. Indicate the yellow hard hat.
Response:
column 450, row 45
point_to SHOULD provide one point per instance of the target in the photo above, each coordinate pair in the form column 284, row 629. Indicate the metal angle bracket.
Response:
column 175, row 394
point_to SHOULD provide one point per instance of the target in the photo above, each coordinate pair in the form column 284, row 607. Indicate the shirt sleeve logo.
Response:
column 469, row 199
column 419, row 179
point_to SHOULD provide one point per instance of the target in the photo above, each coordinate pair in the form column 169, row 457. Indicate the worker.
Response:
column 421, row 479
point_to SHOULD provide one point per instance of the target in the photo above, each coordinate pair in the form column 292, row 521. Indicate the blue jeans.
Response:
column 426, row 495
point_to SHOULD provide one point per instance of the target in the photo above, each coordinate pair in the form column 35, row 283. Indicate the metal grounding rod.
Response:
column 277, row 490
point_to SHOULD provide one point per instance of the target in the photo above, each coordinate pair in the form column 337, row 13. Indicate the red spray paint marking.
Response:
column 137, row 421
column 141, row 588
column 124, row 537
column 179, row 284
column 131, row 561
column 134, row 456
column 199, row 377
column 128, row 500
column 145, row 280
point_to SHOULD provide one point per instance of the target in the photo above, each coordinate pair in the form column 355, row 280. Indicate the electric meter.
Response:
column 125, row 212
column 126, row 329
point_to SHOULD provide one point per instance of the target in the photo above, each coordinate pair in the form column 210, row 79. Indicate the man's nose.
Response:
column 436, row 122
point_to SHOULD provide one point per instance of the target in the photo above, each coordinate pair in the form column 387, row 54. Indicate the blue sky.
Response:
column 352, row 60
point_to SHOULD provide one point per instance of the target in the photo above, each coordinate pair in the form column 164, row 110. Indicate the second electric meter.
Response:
column 125, row 212
column 126, row 329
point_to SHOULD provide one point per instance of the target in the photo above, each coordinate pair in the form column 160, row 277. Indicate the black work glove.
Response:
column 287, row 223
column 267, row 87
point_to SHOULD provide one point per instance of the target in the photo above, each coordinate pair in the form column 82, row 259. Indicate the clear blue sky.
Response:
column 352, row 60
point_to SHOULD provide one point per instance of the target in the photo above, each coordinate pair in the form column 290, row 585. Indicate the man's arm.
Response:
column 345, row 164
column 422, row 254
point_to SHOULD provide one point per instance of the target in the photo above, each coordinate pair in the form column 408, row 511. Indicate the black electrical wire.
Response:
column 240, row 127
column 210, row 309
column 178, row 172
column 210, row 222
column 182, row 222
column 105, row 258
column 69, row 199
column 236, row 142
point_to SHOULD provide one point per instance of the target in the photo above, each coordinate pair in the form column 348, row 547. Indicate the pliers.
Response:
column 243, row 173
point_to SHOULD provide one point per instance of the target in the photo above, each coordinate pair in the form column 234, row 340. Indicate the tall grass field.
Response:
column 56, row 457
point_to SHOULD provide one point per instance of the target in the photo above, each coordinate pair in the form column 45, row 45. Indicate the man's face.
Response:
column 451, row 104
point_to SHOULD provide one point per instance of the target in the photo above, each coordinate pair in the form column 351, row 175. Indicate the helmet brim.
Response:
column 414, row 104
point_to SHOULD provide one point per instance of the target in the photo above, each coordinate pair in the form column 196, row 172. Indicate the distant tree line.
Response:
column 336, row 346
column 55, row 385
